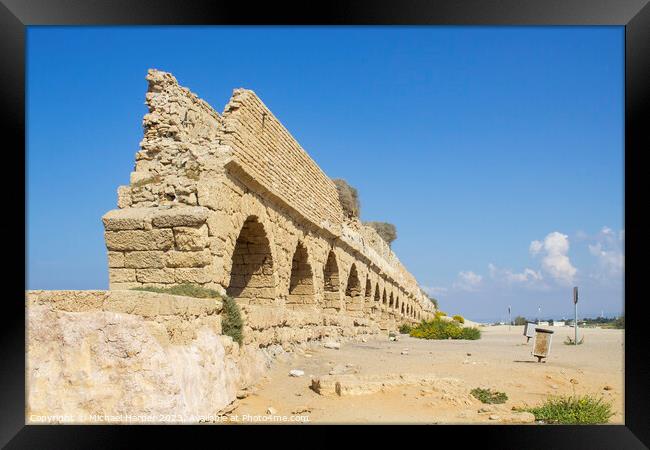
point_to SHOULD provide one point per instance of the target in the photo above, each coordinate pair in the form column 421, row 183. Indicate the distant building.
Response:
column 543, row 323
column 558, row 323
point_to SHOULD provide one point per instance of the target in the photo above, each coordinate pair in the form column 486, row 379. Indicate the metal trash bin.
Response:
column 542, row 343
column 529, row 331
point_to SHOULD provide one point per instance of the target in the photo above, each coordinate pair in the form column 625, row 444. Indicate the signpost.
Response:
column 575, row 323
column 509, row 318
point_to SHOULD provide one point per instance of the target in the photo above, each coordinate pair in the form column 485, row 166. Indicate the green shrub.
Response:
column 442, row 329
column 231, row 322
column 489, row 396
column 459, row 318
column 405, row 328
column 619, row 323
column 470, row 334
column 440, row 314
column 572, row 410
column 519, row 320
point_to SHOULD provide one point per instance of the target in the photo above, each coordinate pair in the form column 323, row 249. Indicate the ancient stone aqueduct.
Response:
column 232, row 202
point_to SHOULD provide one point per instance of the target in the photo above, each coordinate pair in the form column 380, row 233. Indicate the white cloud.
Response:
column 608, row 249
column 555, row 259
column 468, row 281
column 528, row 277
column 535, row 247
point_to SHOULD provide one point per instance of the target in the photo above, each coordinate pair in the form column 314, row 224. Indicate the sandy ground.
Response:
column 500, row 360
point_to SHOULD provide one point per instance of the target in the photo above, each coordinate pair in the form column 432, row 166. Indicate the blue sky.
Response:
column 496, row 151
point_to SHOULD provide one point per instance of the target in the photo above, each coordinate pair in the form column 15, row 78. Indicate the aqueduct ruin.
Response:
column 232, row 202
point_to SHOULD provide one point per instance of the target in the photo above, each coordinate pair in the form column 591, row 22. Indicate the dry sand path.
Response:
column 500, row 360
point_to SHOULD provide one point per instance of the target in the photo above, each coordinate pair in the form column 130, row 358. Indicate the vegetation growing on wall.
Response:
column 187, row 289
column 385, row 230
column 231, row 322
column 349, row 198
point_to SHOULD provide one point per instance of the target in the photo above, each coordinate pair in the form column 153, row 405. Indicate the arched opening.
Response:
column 402, row 309
column 391, row 301
column 251, row 276
column 384, row 300
column 367, row 304
column 331, row 294
column 353, row 295
column 301, row 283
column 376, row 304
column 397, row 304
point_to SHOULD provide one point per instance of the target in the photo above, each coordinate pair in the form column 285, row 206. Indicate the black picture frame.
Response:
column 16, row 15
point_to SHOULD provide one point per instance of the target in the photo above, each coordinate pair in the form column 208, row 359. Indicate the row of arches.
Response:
column 252, row 279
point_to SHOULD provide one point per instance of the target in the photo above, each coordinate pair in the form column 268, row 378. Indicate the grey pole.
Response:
column 575, row 310
column 575, row 327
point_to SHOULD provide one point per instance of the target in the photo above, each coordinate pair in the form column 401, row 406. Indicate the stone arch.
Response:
column 402, row 311
column 367, row 304
column 391, row 301
column 384, row 300
column 252, row 277
column 353, row 294
column 301, row 282
column 331, row 287
column 376, row 303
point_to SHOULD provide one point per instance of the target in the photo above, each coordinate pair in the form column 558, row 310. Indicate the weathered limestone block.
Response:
column 162, row 239
column 191, row 239
column 193, row 275
column 263, row 317
column 165, row 275
column 115, row 259
column 122, row 276
column 180, row 217
column 144, row 259
column 124, row 199
column 219, row 224
column 127, row 219
column 71, row 301
column 188, row 259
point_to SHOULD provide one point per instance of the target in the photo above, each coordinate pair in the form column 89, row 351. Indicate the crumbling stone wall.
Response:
column 232, row 202
column 125, row 352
